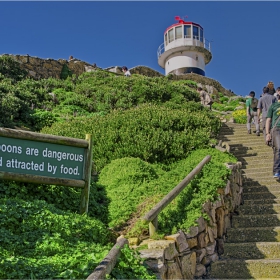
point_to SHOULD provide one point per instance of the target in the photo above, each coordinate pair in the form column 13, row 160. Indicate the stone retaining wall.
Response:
column 188, row 255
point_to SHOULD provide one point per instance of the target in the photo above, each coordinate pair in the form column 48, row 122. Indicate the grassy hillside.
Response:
column 148, row 134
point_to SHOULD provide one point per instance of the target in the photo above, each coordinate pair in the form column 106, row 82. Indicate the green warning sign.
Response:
column 42, row 159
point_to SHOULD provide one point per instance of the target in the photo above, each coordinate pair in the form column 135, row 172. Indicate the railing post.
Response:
column 153, row 226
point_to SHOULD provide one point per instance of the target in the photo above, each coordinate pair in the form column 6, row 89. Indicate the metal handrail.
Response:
column 181, row 42
column 152, row 215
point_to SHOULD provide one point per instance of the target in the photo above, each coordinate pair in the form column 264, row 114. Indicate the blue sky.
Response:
column 245, row 35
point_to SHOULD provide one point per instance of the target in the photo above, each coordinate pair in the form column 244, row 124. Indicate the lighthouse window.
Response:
column 165, row 38
column 187, row 31
column 178, row 32
column 201, row 35
column 171, row 35
column 195, row 32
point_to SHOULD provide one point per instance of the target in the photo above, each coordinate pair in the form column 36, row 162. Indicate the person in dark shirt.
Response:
column 263, row 105
column 252, row 113
column 272, row 119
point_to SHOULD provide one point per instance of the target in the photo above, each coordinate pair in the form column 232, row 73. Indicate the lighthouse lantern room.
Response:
column 185, row 50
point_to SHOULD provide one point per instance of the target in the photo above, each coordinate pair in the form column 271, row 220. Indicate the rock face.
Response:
column 212, row 86
column 188, row 255
column 39, row 68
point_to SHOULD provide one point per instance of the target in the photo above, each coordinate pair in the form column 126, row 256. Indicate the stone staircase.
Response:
column 252, row 246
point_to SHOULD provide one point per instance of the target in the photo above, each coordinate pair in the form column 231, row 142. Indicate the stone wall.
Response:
column 188, row 255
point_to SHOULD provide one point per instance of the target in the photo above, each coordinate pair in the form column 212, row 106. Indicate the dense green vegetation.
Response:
column 234, row 107
column 147, row 183
column 148, row 134
column 155, row 133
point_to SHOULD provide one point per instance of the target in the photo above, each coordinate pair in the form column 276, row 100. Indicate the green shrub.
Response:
column 134, row 186
column 126, row 179
column 130, row 266
column 65, row 72
column 223, row 99
column 41, row 242
column 11, row 69
column 41, row 118
column 240, row 116
column 152, row 133
column 186, row 208
column 63, row 198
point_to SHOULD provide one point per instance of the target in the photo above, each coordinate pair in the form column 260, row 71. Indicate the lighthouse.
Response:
column 184, row 50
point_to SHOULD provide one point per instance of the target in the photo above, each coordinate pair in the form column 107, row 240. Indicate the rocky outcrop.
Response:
column 205, row 82
column 141, row 70
column 39, row 68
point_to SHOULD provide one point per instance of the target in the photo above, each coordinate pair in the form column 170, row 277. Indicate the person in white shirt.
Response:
column 126, row 71
column 277, row 92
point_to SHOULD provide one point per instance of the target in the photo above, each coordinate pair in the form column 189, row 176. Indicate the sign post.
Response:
column 88, row 167
column 46, row 159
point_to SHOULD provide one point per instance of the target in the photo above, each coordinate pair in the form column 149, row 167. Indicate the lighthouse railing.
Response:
column 160, row 50
column 187, row 41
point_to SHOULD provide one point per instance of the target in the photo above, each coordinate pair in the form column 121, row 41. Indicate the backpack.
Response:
column 254, row 103
column 208, row 99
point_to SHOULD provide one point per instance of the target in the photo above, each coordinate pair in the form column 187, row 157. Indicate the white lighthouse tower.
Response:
column 185, row 50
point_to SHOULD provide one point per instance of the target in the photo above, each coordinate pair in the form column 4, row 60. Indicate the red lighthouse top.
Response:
column 181, row 21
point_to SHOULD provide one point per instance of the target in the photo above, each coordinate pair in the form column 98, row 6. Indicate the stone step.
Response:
column 257, row 170
column 245, row 269
column 251, row 150
column 236, row 142
column 235, row 145
column 237, row 131
column 262, row 195
column 268, row 181
column 242, row 140
column 259, row 209
column 259, row 175
column 251, row 164
column 258, row 234
column 256, row 161
column 260, row 201
column 251, row 153
column 253, row 146
column 243, row 221
column 252, row 250
column 250, row 167
column 258, row 188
